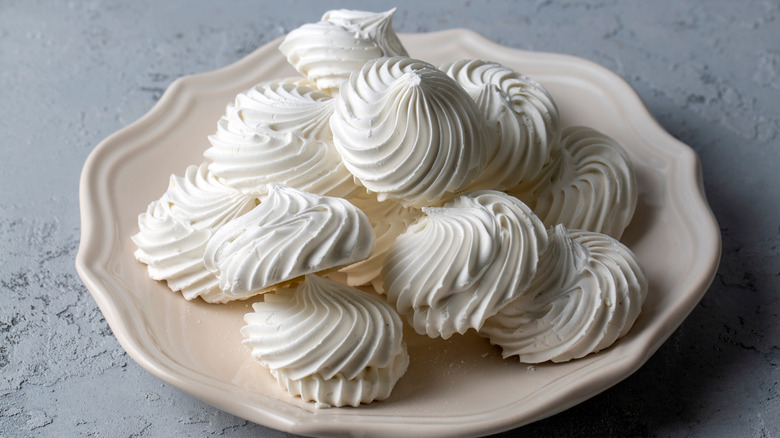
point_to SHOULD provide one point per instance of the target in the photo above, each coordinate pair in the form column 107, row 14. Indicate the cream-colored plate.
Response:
column 456, row 387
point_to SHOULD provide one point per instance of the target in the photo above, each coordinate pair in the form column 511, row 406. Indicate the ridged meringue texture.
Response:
column 588, row 184
column 376, row 26
column 522, row 118
column 587, row 293
column 291, row 233
column 328, row 342
column 388, row 219
column 285, row 105
column 173, row 252
column 408, row 132
column 461, row 263
column 327, row 52
column 205, row 200
column 175, row 229
column 265, row 141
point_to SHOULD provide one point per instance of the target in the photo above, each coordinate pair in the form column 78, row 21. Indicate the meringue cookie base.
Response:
column 456, row 387
column 373, row 384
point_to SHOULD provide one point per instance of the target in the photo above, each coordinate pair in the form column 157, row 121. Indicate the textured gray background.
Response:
column 71, row 73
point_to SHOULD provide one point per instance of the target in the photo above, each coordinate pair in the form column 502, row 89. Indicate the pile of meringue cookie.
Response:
column 451, row 191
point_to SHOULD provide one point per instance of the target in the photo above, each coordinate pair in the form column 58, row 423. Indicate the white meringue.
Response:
column 408, row 132
column 205, row 201
column 327, row 52
column 587, row 293
column 375, row 26
column 291, row 233
column 328, row 342
column 285, row 105
column 461, row 263
column 174, row 230
column 173, row 252
column 521, row 115
column 588, row 184
column 388, row 219
column 250, row 157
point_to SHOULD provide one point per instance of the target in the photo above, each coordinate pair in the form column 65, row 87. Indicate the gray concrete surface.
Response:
column 73, row 72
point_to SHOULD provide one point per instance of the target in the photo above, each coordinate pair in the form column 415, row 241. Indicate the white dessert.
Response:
column 286, row 105
column 173, row 252
column 587, row 293
column 328, row 342
column 408, row 132
column 277, row 133
column 375, row 26
column 174, row 230
column 204, row 200
column 291, row 233
column 327, row 52
column 588, row 184
column 461, row 263
column 521, row 116
column 401, row 176
column 388, row 219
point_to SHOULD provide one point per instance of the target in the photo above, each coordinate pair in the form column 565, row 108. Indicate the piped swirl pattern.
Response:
column 589, row 184
column 252, row 156
column 408, row 132
column 521, row 115
column 461, row 263
column 174, row 230
column 285, row 105
column 328, row 342
column 291, row 233
column 328, row 51
column 587, row 293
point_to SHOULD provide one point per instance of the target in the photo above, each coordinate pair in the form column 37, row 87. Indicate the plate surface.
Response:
column 456, row 387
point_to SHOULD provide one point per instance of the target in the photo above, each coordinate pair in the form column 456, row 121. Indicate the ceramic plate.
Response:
column 456, row 387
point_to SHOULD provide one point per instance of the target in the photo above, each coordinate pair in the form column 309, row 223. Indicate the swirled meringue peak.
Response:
column 376, row 26
column 174, row 230
column 327, row 52
column 522, row 118
column 173, row 251
column 328, row 342
column 408, row 132
column 588, row 184
column 285, row 105
column 587, row 293
column 206, row 201
column 388, row 219
column 252, row 157
column 291, row 233
column 461, row 263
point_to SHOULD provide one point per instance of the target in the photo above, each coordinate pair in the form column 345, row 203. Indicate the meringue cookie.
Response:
column 588, row 184
column 461, row 263
column 388, row 219
column 250, row 157
column 328, row 51
column 173, row 251
column 375, row 26
column 587, row 293
column 328, row 342
column 285, row 105
column 408, row 132
column 205, row 200
column 174, row 230
column 291, row 233
column 522, row 117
